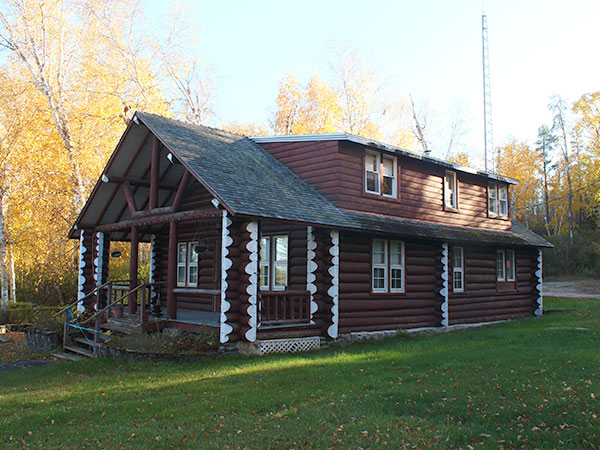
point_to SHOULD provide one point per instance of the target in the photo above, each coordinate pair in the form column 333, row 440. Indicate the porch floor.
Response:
column 211, row 319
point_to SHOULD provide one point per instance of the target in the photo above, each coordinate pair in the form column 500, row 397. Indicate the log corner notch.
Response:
column 445, row 287
column 333, row 291
column 225, row 329
column 538, row 273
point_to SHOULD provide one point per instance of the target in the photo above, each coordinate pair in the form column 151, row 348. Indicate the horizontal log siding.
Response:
column 419, row 306
column 316, row 162
column 296, row 248
column 484, row 298
column 207, row 233
column 420, row 195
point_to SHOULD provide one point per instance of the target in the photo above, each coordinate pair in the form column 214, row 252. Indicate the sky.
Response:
column 430, row 49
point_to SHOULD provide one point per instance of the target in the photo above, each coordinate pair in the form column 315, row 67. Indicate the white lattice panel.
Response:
column 289, row 345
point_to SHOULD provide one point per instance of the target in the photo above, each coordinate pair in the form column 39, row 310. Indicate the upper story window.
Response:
column 187, row 264
column 458, row 273
column 273, row 263
column 450, row 190
column 381, row 174
column 387, row 266
column 498, row 199
column 505, row 265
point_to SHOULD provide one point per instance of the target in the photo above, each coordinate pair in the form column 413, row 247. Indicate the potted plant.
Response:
column 117, row 311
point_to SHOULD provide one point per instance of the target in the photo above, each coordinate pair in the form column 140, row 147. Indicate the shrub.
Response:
column 28, row 313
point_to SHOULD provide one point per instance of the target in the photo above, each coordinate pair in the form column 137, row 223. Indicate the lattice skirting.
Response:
column 289, row 345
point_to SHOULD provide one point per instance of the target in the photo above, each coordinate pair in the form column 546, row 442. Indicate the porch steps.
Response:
column 79, row 350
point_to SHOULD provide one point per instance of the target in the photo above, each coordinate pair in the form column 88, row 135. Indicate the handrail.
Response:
column 83, row 298
column 138, row 287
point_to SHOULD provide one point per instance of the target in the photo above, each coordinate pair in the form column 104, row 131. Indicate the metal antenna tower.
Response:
column 488, row 134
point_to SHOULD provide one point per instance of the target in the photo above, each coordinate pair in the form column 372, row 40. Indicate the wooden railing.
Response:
column 285, row 307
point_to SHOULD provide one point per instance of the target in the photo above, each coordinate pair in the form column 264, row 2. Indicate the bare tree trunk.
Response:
column 419, row 129
column 13, row 281
column 3, row 268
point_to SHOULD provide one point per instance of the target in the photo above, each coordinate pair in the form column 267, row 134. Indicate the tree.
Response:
column 544, row 145
column 558, row 108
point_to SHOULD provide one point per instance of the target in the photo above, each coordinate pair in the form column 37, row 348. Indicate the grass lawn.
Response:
column 531, row 383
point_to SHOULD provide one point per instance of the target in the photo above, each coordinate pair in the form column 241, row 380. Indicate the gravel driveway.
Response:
column 575, row 289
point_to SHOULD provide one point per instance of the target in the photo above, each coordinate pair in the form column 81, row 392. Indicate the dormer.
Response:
column 366, row 176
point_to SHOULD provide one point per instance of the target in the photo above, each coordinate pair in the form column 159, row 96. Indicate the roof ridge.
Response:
column 191, row 124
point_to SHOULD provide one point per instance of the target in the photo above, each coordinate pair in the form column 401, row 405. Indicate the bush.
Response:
column 581, row 259
column 27, row 313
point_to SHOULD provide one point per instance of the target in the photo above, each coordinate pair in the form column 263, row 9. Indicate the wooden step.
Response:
column 121, row 328
column 79, row 350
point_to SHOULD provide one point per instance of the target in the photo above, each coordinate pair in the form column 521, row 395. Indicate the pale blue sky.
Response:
column 430, row 49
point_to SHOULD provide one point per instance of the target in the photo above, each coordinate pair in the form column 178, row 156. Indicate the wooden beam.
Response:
column 154, row 212
column 172, row 272
column 154, row 173
column 154, row 219
column 133, row 269
column 139, row 182
column 129, row 198
column 182, row 184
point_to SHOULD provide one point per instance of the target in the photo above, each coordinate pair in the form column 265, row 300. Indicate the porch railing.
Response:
column 285, row 307
column 112, row 294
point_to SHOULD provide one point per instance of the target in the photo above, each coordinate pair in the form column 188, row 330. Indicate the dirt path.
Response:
column 575, row 289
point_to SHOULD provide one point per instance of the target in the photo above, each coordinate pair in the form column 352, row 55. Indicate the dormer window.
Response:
column 450, row 191
column 381, row 174
column 498, row 199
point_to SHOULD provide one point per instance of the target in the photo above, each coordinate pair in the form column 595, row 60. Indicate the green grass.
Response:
column 531, row 383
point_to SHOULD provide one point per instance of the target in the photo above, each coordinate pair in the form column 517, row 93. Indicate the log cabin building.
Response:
column 282, row 242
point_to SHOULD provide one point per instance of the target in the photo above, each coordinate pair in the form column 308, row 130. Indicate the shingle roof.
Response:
column 250, row 181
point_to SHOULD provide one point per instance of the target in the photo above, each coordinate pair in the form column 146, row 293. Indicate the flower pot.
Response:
column 117, row 311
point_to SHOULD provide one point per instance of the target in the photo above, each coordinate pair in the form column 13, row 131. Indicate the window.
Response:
column 498, row 199
column 187, row 264
column 450, row 190
column 502, row 200
column 381, row 175
column 273, row 262
column 458, row 277
column 387, row 266
column 505, row 265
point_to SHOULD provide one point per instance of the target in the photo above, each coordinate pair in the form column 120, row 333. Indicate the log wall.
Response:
column 362, row 310
column 484, row 298
column 420, row 195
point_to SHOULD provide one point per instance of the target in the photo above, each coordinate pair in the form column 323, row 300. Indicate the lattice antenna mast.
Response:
column 488, row 134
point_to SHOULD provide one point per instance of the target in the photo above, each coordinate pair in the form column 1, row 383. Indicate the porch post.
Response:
column 133, row 270
column 444, row 290
column 153, row 269
column 154, row 174
column 172, row 272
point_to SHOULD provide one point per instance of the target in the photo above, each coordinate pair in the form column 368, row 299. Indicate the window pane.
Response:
column 500, row 265
column 281, row 248
column 388, row 185
column 395, row 253
column 396, row 280
column 378, row 251
column 502, row 193
column 492, row 199
column 510, row 265
column 264, row 249
column 193, row 275
column 388, row 167
column 371, row 162
column 378, row 278
column 194, row 250
column 450, row 191
column 280, row 276
column 458, row 258
column 181, row 254
column 264, row 276
column 372, row 182
column 458, row 281
column 181, row 275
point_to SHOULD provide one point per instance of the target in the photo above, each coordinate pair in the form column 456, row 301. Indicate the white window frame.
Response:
column 451, row 193
column 273, row 263
column 458, row 269
column 399, row 266
column 503, row 277
column 493, row 195
column 510, row 257
column 383, row 266
column 503, row 202
column 181, row 264
column 191, row 264
column 378, row 172
column 394, row 176
column 388, row 267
